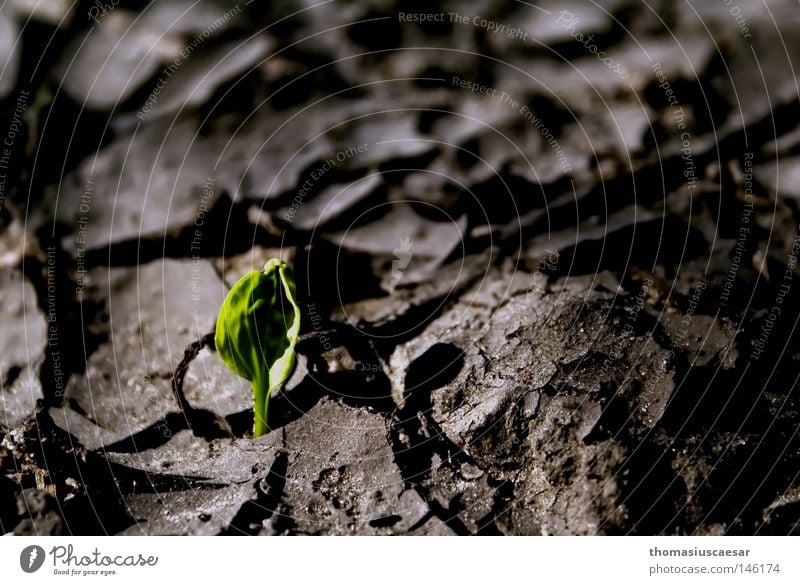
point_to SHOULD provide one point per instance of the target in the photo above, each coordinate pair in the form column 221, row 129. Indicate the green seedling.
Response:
column 257, row 331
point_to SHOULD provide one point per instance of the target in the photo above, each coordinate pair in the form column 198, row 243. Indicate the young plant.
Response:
column 257, row 331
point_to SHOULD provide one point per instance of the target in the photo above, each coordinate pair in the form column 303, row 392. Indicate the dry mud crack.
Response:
column 572, row 315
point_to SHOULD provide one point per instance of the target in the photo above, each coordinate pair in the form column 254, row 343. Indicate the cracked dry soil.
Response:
column 493, row 343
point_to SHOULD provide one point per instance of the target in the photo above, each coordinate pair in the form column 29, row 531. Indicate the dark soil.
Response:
column 548, row 282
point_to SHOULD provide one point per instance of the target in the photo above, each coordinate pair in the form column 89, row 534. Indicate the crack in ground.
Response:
column 250, row 518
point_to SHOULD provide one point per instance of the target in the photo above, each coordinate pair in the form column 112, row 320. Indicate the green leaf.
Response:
column 257, row 331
